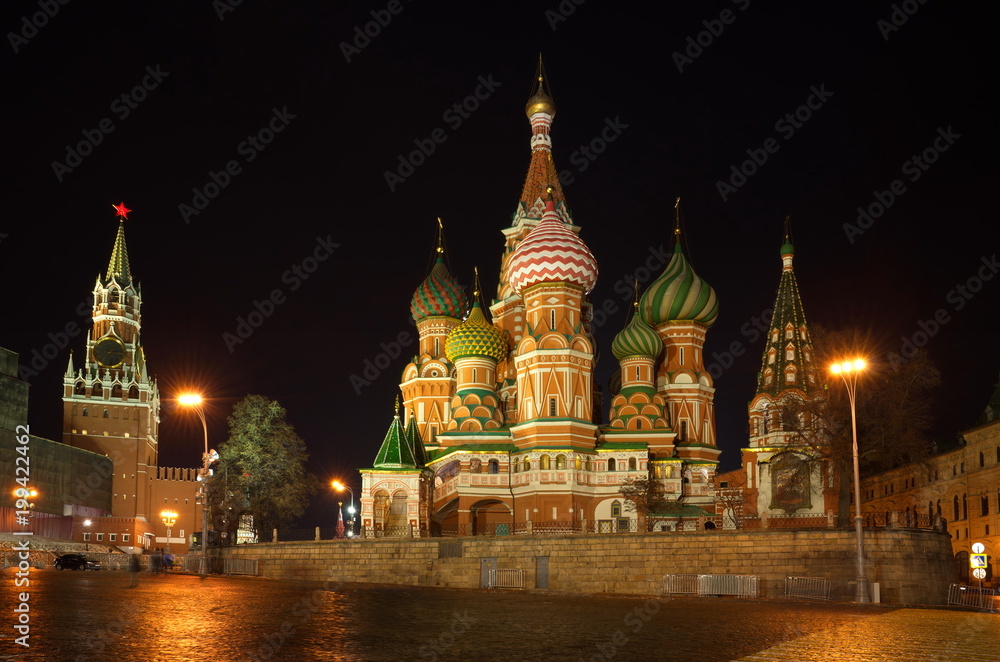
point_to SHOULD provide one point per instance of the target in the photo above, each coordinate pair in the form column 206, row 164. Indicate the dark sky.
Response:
column 680, row 127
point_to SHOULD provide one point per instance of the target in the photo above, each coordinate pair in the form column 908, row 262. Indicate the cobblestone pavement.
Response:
column 905, row 635
column 94, row 616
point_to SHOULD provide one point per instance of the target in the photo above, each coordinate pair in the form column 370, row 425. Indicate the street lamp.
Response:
column 86, row 537
column 169, row 518
column 848, row 371
column 195, row 401
column 340, row 487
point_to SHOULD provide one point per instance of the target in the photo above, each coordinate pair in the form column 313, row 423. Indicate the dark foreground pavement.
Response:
column 80, row 616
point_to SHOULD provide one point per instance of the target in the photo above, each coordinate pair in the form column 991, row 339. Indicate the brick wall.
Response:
column 912, row 567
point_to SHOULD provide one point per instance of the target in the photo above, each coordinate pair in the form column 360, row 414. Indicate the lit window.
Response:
column 125, row 537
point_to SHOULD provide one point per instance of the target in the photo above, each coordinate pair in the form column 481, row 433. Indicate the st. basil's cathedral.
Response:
column 501, row 425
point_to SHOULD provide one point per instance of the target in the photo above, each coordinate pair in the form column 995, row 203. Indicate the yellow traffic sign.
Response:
column 977, row 560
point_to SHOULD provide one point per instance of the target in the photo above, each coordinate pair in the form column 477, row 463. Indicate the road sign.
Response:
column 977, row 560
column 979, row 573
column 978, row 548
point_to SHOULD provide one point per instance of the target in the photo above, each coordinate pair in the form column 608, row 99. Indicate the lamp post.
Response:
column 195, row 401
column 848, row 371
column 169, row 518
column 86, row 537
column 340, row 487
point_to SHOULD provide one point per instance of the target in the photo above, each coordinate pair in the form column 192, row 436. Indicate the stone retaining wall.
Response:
column 912, row 567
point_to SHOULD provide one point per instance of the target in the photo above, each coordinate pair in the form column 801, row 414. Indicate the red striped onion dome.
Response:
column 551, row 253
column 439, row 295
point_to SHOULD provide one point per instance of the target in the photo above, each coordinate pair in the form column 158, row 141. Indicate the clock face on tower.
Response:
column 109, row 352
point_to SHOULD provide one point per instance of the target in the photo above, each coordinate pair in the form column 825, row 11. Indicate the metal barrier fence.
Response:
column 970, row 596
column 685, row 584
column 506, row 578
column 815, row 588
column 742, row 586
column 240, row 567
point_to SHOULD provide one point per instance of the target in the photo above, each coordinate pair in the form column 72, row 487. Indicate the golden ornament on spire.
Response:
column 541, row 101
column 677, row 217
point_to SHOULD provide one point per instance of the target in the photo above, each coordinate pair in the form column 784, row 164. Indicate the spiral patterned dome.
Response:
column 439, row 294
column 551, row 253
column 636, row 339
column 679, row 295
column 475, row 337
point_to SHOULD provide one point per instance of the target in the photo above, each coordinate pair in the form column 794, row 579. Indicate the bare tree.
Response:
column 732, row 496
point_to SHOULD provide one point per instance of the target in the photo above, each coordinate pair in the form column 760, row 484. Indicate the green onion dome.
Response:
column 679, row 295
column 636, row 339
column 439, row 295
column 475, row 337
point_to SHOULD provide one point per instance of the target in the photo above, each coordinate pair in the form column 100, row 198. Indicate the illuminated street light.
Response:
column 86, row 525
column 169, row 518
column 848, row 371
column 340, row 487
column 195, row 401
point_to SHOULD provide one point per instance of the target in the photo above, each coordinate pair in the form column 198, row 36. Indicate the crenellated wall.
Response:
column 912, row 567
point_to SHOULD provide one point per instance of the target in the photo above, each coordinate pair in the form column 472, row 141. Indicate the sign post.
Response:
column 977, row 561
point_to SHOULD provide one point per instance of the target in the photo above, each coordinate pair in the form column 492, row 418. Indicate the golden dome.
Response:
column 540, row 103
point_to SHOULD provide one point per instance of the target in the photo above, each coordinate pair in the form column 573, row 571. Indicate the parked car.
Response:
column 76, row 562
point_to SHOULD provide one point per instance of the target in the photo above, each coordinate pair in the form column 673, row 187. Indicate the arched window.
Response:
column 965, row 507
column 589, row 466
column 105, row 413
column 476, row 465
column 527, row 464
column 631, row 464
column 545, row 462
column 84, row 411
column 494, row 467
column 684, row 430
column 616, row 508
column 81, row 389
column 955, row 504
column 982, row 460
column 578, row 463
column 984, row 504
column 133, row 392
column 638, row 424
column 560, row 461
column 611, row 464
column 116, row 392
column 96, row 390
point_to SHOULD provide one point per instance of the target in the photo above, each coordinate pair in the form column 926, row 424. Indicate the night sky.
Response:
column 201, row 81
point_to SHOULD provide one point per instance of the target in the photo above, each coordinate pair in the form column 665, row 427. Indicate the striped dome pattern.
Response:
column 679, row 295
column 636, row 339
column 551, row 253
column 439, row 295
column 475, row 337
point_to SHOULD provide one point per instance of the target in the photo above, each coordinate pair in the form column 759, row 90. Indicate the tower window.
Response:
column 616, row 509
column 637, row 373
column 105, row 413
column 545, row 462
column 631, row 464
column 552, row 406
column 494, row 467
column 552, row 320
column 684, row 430
column 84, row 411
column 681, row 355
column 611, row 464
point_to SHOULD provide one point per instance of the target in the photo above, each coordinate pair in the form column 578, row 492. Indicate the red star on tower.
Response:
column 122, row 210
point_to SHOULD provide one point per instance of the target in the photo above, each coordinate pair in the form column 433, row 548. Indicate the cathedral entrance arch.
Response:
column 491, row 517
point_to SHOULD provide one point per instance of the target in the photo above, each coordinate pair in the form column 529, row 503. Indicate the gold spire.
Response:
column 635, row 295
column 475, row 284
column 396, row 408
column 788, row 229
column 541, row 98
column 440, row 237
